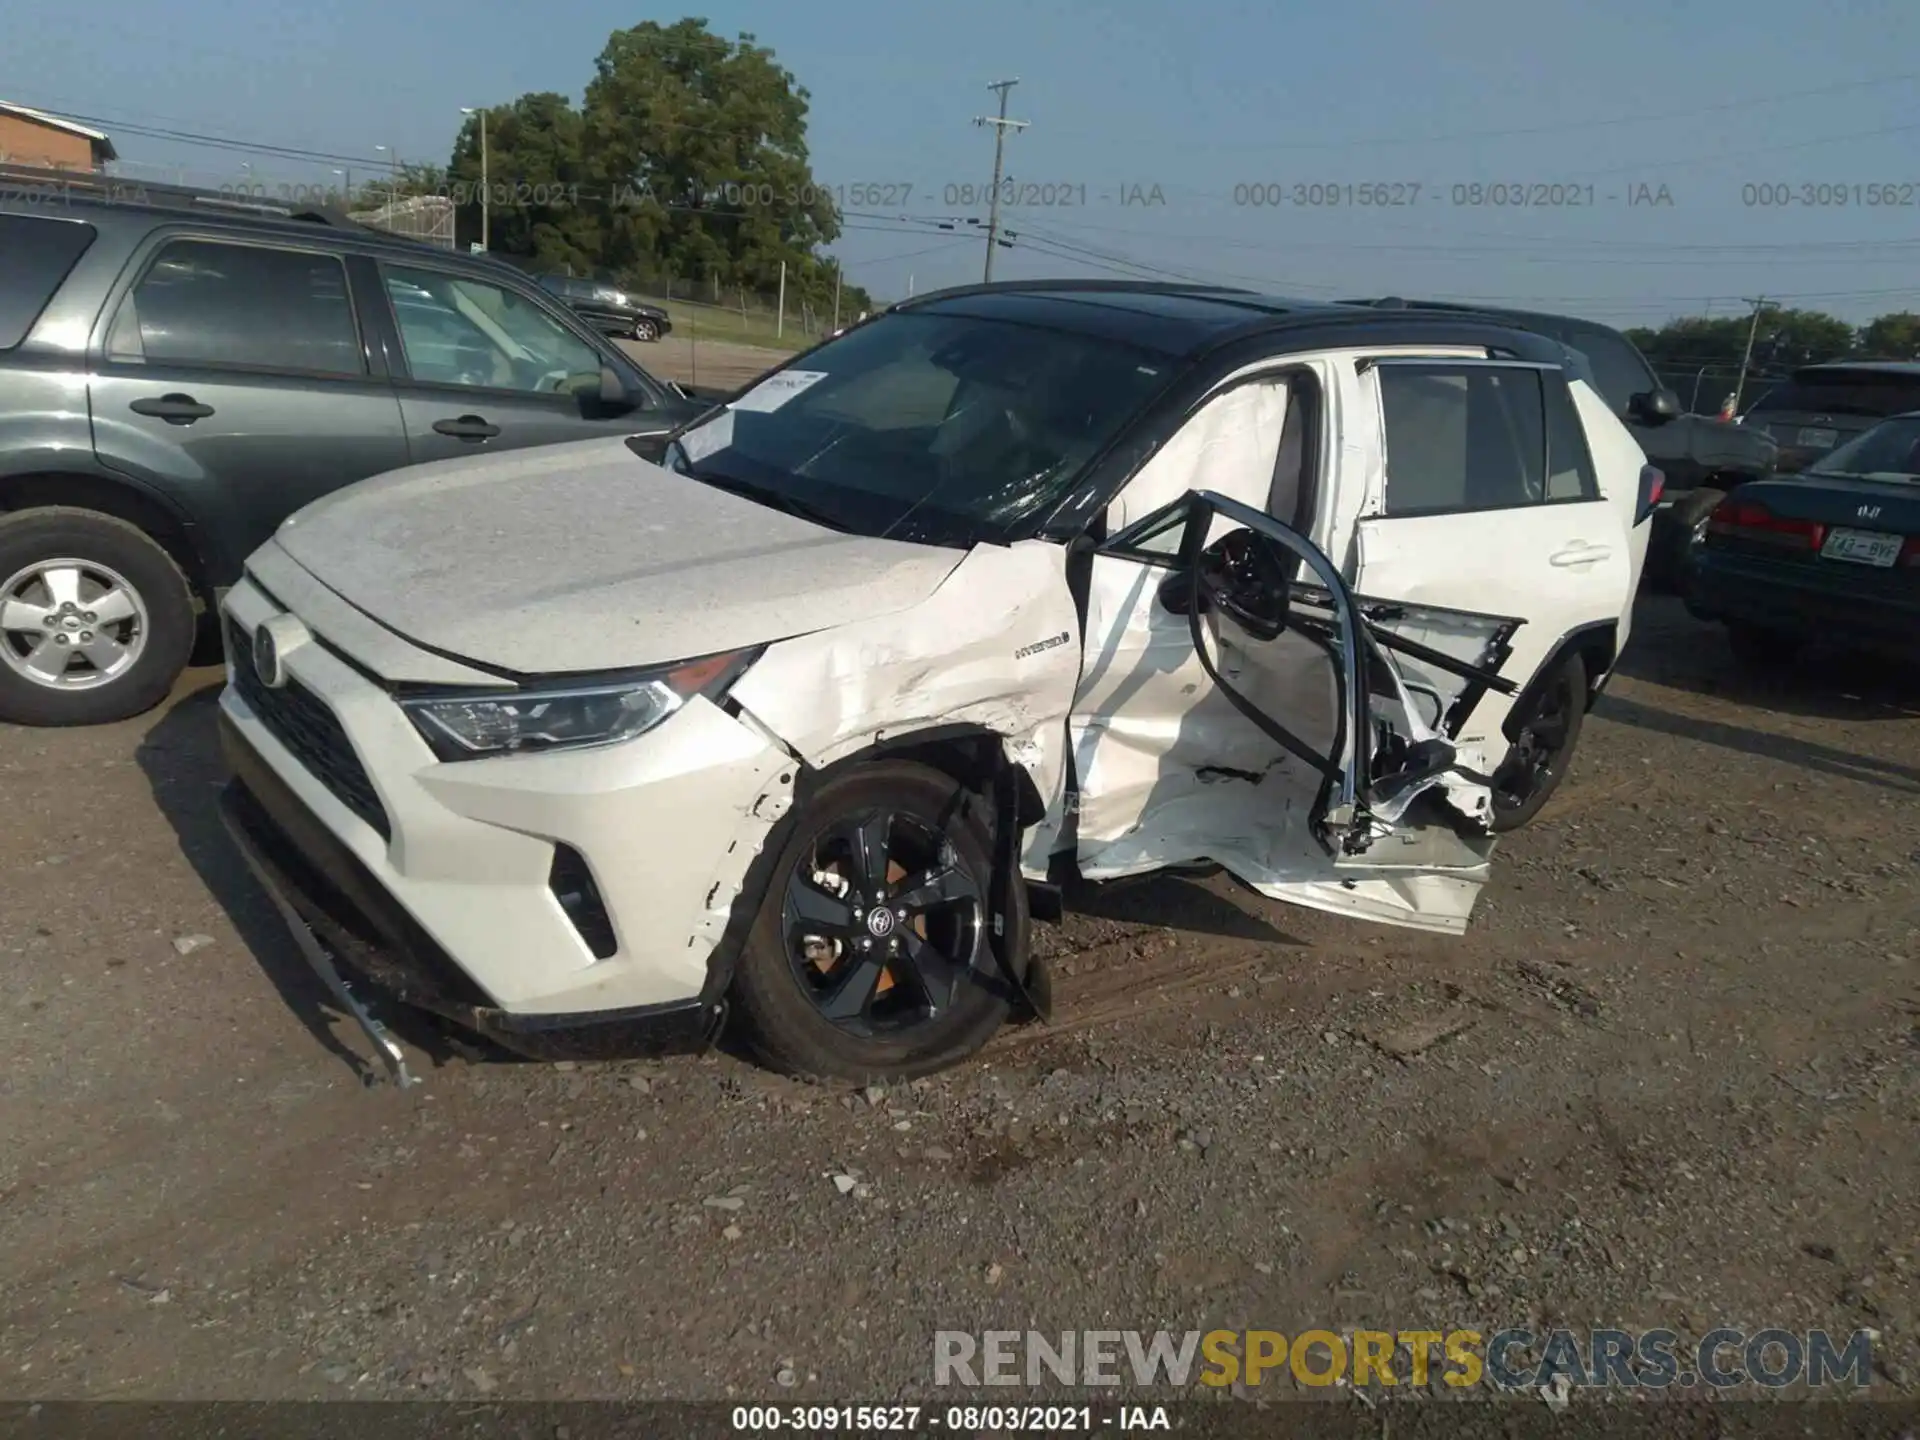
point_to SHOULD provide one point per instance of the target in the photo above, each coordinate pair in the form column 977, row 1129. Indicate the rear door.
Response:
column 483, row 366
column 1353, row 802
column 1486, row 501
column 234, row 375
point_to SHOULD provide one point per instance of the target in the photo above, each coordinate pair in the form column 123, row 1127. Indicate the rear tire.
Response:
column 1545, row 733
column 44, row 555
column 803, row 1005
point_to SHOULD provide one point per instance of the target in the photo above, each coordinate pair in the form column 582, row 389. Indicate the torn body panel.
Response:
column 996, row 648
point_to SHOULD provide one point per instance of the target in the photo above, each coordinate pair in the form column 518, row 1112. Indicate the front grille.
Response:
column 301, row 721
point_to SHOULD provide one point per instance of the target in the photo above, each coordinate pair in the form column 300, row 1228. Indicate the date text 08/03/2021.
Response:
column 1459, row 194
column 958, row 1419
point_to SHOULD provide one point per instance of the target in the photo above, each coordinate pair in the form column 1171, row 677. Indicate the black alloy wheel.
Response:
column 880, row 947
column 1543, row 736
column 883, row 921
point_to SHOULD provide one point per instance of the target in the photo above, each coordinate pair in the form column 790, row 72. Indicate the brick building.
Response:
column 33, row 137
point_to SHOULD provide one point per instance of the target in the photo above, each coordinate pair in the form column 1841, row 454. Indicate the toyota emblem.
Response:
column 880, row 922
column 267, row 663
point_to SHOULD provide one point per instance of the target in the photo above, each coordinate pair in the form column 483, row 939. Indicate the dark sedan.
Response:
column 608, row 308
column 1832, row 553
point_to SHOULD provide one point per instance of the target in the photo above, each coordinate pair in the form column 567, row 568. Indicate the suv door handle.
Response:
column 467, row 427
column 174, row 409
column 1579, row 553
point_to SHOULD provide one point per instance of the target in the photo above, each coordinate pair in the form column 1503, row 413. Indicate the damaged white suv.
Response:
column 1011, row 584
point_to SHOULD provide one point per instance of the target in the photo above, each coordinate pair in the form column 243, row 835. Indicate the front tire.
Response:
column 1545, row 733
column 96, row 621
column 645, row 331
column 871, row 957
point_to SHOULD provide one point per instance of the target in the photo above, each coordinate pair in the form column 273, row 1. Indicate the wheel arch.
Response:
column 123, row 500
column 975, row 755
column 1598, row 645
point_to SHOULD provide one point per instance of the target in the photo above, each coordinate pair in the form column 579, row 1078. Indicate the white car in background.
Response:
column 1008, row 585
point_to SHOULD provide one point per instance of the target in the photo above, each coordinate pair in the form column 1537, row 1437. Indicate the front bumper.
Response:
column 1803, row 602
column 350, row 929
column 458, row 887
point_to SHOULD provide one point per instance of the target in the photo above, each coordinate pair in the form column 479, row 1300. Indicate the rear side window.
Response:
column 205, row 302
column 1463, row 437
column 1877, row 394
column 35, row 255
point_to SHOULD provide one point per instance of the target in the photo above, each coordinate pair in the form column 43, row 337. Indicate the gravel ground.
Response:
column 1668, row 1079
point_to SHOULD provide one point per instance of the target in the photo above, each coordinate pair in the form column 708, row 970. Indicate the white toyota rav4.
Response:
column 1010, row 585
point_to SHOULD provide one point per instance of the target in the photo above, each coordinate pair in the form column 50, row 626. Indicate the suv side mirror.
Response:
column 1243, row 577
column 1654, row 407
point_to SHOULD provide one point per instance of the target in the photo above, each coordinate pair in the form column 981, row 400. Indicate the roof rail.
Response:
column 118, row 189
column 1014, row 287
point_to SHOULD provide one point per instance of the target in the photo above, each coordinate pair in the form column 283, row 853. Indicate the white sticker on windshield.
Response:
column 774, row 391
column 703, row 440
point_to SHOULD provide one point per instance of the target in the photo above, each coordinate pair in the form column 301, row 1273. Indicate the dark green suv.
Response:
column 178, row 376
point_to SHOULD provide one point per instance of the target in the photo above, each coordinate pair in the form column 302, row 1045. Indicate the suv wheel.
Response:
column 1546, row 728
column 645, row 330
column 870, row 959
column 96, row 621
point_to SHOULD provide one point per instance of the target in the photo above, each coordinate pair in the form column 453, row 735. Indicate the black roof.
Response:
column 1188, row 320
column 1544, row 321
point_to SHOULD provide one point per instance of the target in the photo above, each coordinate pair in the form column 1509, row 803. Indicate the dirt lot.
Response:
column 694, row 361
column 1680, row 1089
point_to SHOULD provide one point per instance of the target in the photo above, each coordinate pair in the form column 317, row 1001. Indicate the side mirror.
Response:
column 613, row 390
column 1654, row 407
column 1243, row 577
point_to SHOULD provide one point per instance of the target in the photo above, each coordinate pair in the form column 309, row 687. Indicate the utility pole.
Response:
column 780, row 319
column 485, row 192
column 1746, row 360
column 836, row 299
column 1001, row 124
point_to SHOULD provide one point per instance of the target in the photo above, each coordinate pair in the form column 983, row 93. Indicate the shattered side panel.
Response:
column 996, row 646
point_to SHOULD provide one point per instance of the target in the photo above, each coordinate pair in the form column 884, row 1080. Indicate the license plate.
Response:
column 1818, row 439
column 1862, row 547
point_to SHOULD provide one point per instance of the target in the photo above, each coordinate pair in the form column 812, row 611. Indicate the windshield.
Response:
column 1892, row 448
column 940, row 428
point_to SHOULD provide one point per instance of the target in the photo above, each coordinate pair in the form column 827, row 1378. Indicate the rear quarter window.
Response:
column 36, row 254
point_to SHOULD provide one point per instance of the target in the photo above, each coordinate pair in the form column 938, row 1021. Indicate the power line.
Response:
column 1402, row 139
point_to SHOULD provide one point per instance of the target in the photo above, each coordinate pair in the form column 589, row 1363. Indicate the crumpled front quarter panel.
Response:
column 996, row 646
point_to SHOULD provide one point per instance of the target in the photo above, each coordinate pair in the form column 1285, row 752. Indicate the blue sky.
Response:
column 1702, row 97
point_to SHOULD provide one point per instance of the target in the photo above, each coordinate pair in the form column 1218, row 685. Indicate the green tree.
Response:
column 543, row 206
column 700, row 145
column 1895, row 336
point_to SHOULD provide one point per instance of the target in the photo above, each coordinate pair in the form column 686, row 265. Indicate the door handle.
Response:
column 1579, row 553
column 467, row 427
column 174, row 409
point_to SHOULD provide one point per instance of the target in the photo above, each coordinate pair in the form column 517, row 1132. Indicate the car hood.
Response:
column 575, row 558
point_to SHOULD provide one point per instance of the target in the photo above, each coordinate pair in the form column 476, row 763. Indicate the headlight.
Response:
column 469, row 726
